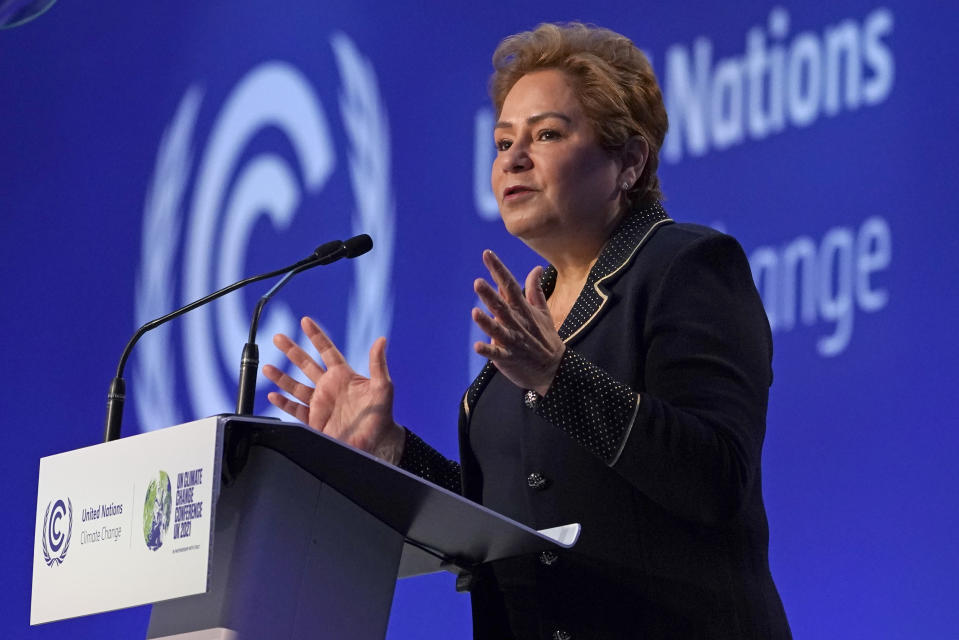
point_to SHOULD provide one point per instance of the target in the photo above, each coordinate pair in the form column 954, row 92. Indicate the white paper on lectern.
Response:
column 105, row 540
column 565, row 535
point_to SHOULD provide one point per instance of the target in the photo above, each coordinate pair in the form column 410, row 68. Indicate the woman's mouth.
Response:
column 516, row 191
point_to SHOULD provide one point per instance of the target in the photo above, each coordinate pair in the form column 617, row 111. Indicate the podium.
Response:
column 309, row 535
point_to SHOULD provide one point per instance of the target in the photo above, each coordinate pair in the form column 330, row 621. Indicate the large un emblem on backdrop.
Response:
column 212, row 226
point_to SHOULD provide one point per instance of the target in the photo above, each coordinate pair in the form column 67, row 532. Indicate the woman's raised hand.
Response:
column 342, row 404
column 524, row 345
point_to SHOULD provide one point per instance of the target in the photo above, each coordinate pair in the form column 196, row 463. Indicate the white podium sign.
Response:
column 125, row 523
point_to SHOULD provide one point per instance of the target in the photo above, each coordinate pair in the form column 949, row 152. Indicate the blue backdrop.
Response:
column 151, row 153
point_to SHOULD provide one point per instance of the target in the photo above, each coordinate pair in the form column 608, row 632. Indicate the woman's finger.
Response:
column 492, row 352
column 534, row 292
column 378, row 369
column 491, row 327
column 303, row 361
column 508, row 286
column 497, row 306
column 294, row 387
column 324, row 346
column 295, row 409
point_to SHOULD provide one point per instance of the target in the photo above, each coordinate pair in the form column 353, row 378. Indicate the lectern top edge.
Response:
column 458, row 533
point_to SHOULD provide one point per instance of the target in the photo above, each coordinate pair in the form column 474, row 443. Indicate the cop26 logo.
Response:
column 54, row 542
column 157, row 507
column 233, row 191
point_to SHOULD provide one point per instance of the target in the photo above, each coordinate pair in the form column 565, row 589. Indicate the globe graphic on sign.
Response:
column 156, row 511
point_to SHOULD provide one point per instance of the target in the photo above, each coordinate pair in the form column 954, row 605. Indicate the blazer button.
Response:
column 548, row 558
column 562, row 634
column 537, row 480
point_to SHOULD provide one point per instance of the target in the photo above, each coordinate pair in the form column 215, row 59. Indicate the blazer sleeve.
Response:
column 423, row 460
column 691, row 441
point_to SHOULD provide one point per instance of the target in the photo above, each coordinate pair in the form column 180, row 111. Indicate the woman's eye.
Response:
column 503, row 145
column 548, row 134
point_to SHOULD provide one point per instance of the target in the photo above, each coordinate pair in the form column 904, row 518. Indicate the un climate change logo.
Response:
column 207, row 211
column 54, row 542
column 156, row 511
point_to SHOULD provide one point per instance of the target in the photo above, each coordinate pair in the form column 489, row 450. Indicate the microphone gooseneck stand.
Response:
column 250, row 358
column 324, row 254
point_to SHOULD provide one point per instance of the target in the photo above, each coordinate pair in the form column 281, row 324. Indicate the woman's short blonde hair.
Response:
column 613, row 79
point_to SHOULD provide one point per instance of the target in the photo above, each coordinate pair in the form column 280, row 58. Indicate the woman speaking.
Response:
column 627, row 382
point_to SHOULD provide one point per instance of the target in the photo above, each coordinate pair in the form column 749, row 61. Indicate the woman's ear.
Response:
column 634, row 155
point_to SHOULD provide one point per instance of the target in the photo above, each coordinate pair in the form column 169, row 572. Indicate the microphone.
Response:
column 333, row 251
column 324, row 254
column 250, row 358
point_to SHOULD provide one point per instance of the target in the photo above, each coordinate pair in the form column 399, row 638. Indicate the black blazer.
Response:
column 650, row 437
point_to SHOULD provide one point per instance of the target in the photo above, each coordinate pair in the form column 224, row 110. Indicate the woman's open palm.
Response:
column 342, row 404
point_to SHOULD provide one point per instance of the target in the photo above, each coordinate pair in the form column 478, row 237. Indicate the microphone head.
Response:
column 328, row 250
column 358, row 245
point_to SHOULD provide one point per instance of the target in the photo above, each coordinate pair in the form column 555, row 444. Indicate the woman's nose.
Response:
column 517, row 159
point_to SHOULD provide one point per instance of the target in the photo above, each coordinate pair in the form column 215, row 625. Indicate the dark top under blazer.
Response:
column 650, row 436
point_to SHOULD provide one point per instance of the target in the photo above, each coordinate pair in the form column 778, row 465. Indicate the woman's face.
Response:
column 550, row 176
